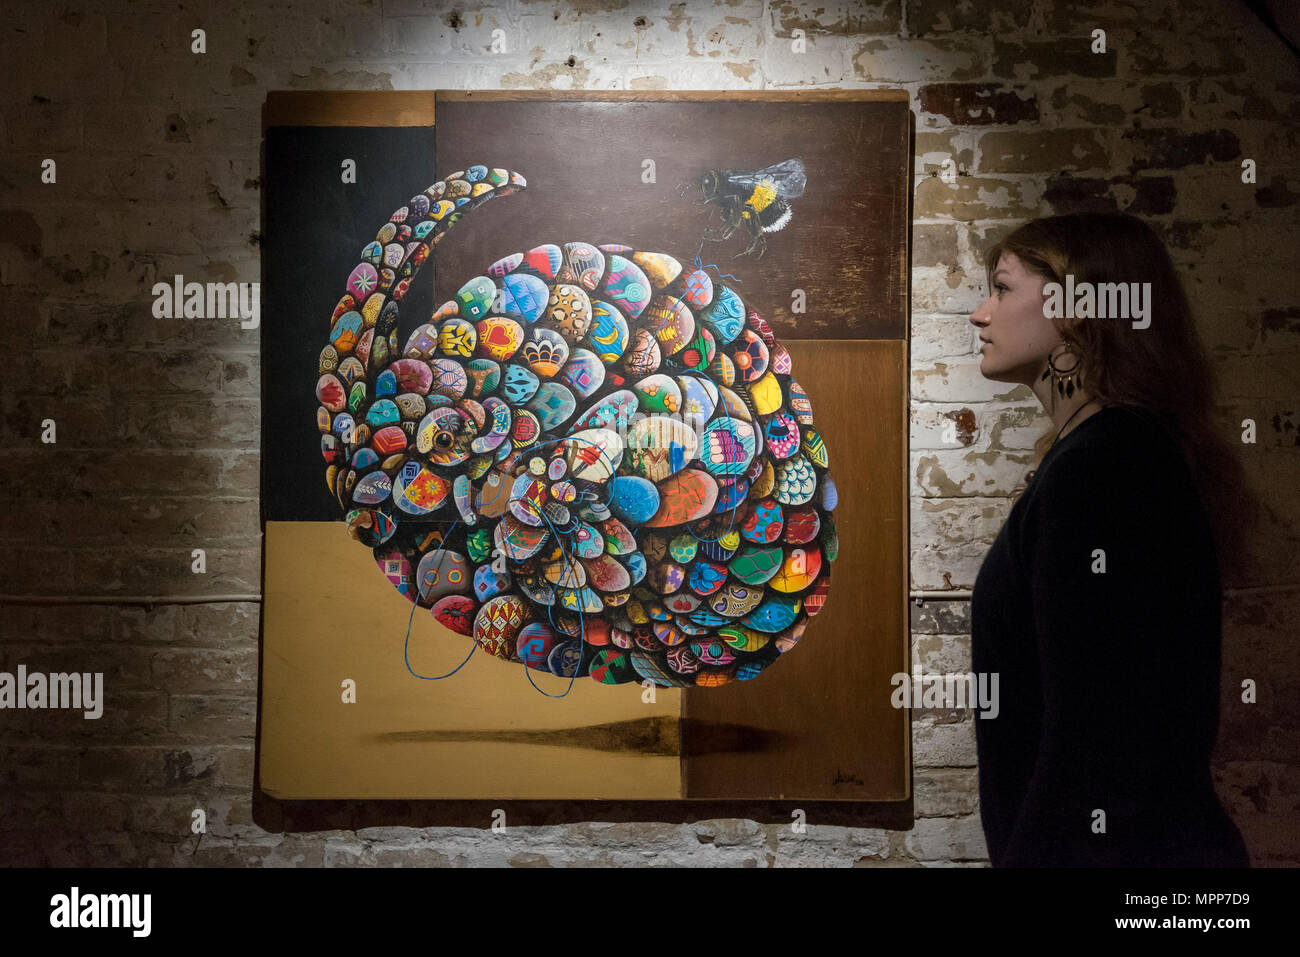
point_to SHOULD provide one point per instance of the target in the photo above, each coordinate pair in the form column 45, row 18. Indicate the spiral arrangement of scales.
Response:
column 591, row 461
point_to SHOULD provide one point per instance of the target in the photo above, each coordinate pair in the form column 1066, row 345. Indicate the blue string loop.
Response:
column 406, row 647
column 699, row 264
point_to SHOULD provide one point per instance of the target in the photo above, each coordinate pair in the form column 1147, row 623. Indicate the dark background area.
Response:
column 315, row 228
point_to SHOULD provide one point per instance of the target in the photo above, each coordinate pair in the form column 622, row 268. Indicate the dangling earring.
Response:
column 1067, row 380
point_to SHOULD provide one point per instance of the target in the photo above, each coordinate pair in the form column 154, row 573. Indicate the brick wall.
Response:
column 157, row 452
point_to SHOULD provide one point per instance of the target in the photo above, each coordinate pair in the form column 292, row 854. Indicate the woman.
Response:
column 1098, row 604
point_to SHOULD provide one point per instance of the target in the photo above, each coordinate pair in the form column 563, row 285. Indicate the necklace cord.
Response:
column 1067, row 421
column 1029, row 476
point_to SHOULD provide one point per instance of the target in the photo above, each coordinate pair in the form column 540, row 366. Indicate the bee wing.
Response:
column 788, row 175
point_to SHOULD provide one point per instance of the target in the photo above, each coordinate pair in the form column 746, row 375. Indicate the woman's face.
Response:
column 1015, row 335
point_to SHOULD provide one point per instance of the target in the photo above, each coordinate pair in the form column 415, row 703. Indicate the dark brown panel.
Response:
column 678, row 96
column 845, row 246
column 819, row 725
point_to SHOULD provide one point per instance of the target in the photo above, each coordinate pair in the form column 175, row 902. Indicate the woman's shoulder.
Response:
column 1128, row 424
column 1121, row 459
column 1121, row 479
column 1122, row 437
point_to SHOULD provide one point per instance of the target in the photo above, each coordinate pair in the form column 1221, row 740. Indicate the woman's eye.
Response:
column 1000, row 288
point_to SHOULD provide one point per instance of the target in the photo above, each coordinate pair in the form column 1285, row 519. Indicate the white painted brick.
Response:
column 901, row 61
column 1017, row 427
column 941, row 337
column 424, row 39
column 942, row 473
column 941, row 654
column 944, row 838
column 959, row 380
column 942, row 745
column 560, row 38
column 672, row 75
column 953, row 566
column 824, row 62
column 930, row 422
column 821, row 846
column 953, row 864
column 926, row 160
column 839, row 17
column 947, row 289
column 725, row 36
column 945, row 792
column 946, row 522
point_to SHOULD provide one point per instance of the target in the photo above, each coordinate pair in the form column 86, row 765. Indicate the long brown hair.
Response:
column 1162, row 369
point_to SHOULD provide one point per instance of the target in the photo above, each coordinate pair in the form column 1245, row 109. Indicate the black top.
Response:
column 1108, row 681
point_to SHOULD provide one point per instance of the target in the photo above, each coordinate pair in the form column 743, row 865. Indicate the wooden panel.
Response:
column 818, row 724
column 485, row 732
column 650, row 96
column 819, row 731
column 416, row 107
column 348, row 108
column 845, row 245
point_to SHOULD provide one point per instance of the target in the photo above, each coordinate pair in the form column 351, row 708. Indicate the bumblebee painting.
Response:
column 759, row 200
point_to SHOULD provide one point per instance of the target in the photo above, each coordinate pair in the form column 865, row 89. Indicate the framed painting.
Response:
column 585, row 446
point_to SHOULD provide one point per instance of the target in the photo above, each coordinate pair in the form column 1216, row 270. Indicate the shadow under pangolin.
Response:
column 656, row 736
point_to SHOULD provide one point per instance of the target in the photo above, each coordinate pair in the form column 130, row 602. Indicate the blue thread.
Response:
column 700, row 264
column 568, row 563
column 406, row 646
column 550, row 614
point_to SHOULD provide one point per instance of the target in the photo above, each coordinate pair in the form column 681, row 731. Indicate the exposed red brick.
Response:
column 1167, row 148
column 978, row 104
column 1075, row 194
column 1037, row 59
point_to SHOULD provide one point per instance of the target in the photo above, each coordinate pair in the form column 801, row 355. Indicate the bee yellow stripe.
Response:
column 762, row 196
